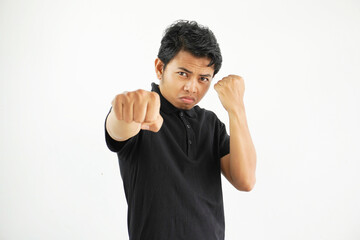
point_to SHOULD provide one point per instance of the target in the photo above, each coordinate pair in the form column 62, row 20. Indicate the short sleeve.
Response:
column 112, row 144
column 224, row 139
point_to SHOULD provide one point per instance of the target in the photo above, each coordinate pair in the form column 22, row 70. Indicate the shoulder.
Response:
column 209, row 119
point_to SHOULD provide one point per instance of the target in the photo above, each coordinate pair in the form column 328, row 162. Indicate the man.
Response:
column 171, row 152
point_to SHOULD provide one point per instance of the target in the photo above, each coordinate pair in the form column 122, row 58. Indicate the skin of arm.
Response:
column 120, row 130
column 239, row 165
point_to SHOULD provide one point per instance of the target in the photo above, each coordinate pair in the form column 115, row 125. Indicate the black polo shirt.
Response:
column 172, row 178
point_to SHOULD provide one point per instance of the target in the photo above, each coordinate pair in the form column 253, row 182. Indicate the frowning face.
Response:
column 185, row 80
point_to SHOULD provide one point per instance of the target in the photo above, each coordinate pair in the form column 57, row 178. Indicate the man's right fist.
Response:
column 139, row 106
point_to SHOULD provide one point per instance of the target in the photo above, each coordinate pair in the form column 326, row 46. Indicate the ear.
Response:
column 159, row 67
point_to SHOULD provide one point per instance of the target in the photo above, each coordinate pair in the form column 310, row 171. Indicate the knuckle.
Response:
column 130, row 95
column 139, row 94
column 118, row 98
column 140, row 91
column 125, row 97
column 154, row 97
column 127, row 94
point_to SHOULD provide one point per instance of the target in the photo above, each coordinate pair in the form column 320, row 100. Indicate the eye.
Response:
column 182, row 74
column 204, row 79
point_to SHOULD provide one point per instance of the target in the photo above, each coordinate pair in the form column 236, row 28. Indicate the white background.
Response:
column 62, row 62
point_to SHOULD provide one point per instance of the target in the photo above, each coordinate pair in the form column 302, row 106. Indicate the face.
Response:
column 185, row 80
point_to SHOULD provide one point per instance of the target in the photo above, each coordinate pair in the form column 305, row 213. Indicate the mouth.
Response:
column 187, row 99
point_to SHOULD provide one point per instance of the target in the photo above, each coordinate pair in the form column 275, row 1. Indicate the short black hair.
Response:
column 192, row 37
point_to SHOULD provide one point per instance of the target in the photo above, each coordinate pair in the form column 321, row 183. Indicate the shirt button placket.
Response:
column 188, row 132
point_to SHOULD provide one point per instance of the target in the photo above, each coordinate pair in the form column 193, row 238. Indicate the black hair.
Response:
column 192, row 37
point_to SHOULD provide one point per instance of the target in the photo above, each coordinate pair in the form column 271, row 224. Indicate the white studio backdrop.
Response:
column 62, row 62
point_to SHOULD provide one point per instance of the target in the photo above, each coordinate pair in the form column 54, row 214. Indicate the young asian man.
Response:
column 172, row 152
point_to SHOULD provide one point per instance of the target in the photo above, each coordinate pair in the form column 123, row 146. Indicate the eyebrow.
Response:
column 188, row 71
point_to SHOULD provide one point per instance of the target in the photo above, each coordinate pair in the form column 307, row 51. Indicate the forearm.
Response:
column 242, row 151
column 121, row 130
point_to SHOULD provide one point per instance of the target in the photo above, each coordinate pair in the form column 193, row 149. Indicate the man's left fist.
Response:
column 230, row 90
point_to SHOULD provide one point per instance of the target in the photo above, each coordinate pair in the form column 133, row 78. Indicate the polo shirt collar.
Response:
column 167, row 107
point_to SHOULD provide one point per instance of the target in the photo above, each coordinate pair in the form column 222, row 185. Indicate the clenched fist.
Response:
column 230, row 90
column 139, row 106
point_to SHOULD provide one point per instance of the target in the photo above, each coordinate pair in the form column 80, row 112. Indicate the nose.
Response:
column 190, row 85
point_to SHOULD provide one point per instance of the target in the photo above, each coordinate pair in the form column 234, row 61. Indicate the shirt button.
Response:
column 190, row 142
column 188, row 126
column 181, row 114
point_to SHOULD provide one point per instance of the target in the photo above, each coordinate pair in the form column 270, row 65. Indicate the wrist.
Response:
column 237, row 109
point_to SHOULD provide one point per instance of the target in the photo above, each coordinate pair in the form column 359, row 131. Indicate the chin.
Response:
column 187, row 107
